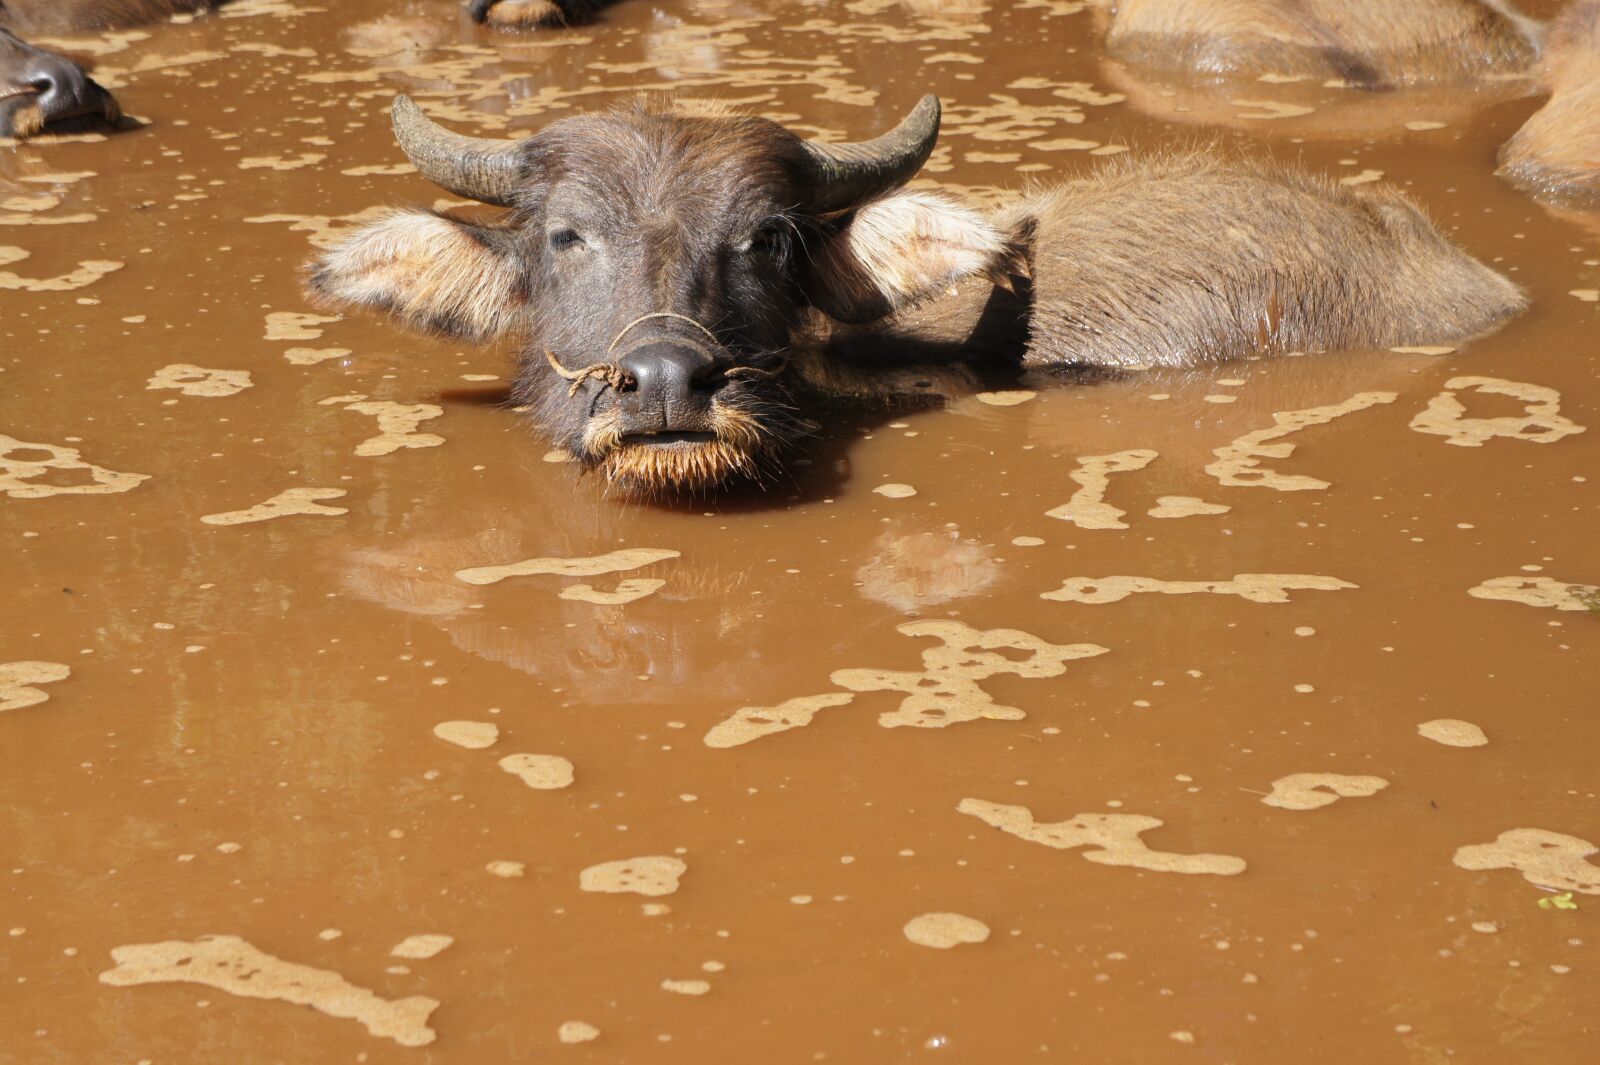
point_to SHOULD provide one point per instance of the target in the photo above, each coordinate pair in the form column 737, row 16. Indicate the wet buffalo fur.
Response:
column 71, row 16
column 1556, row 153
column 534, row 14
column 1170, row 261
column 1195, row 258
column 1368, row 43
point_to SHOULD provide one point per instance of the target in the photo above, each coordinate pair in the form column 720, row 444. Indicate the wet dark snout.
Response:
column 668, row 390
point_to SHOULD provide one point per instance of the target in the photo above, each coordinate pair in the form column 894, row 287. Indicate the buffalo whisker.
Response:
column 752, row 371
column 608, row 372
column 27, row 90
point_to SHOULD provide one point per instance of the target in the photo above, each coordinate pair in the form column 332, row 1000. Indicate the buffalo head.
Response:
column 39, row 89
column 661, row 267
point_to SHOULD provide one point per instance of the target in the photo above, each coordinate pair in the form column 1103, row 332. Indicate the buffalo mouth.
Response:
column 667, row 438
column 667, row 462
column 25, row 112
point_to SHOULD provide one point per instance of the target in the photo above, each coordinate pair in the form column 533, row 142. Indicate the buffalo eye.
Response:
column 771, row 240
column 561, row 239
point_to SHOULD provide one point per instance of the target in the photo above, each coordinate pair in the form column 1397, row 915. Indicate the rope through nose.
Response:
column 609, row 372
column 661, row 314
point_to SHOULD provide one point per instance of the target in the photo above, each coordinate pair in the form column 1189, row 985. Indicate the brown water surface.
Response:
column 722, row 792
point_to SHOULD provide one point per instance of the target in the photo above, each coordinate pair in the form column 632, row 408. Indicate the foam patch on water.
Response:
column 946, row 692
column 421, row 947
column 286, row 504
column 1005, row 399
column 120, row 77
column 945, row 930
column 281, row 162
column 1541, row 422
column 380, row 170
column 1312, row 791
column 628, row 590
column 630, row 558
column 686, row 987
column 1185, row 507
column 753, row 722
column 1255, row 587
column 87, row 273
column 1269, row 110
column 35, row 208
column 507, row 869
column 1538, row 591
column 19, row 468
column 577, row 1032
column 326, row 230
column 296, row 325
column 1548, row 859
column 652, row 875
column 194, row 380
column 1114, row 837
column 228, row 963
column 397, row 424
column 895, row 491
column 1452, row 732
column 545, row 772
column 17, row 680
column 1239, row 463
column 1087, row 508
column 473, row 735
column 312, row 356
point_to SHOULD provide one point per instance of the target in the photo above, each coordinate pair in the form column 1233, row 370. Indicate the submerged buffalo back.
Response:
column 1194, row 259
column 1556, row 153
column 1183, row 261
column 1366, row 42
column 68, row 16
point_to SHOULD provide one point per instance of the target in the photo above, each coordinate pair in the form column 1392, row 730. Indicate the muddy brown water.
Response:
column 231, row 728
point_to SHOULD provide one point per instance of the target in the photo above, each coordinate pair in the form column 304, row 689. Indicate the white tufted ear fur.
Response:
column 430, row 271
column 900, row 250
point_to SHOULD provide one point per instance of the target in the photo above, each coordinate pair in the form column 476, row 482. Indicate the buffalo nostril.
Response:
column 672, row 382
column 671, row 367
column 63, row 89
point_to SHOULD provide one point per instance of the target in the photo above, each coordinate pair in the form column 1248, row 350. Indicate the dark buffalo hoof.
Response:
column 40, row 90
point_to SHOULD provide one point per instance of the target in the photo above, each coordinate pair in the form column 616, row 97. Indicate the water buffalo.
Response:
column 1368, row 43
column 40, row 89
column 693, row 288
column 533, row 14
column 1556, row 153
column 79, row 16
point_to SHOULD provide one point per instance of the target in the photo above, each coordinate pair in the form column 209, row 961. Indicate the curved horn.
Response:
column 479, row 168
column 848, row 175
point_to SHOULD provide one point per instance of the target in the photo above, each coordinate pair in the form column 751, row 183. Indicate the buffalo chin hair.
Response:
column 654, row 470
column 647, row 469
column 27, row 121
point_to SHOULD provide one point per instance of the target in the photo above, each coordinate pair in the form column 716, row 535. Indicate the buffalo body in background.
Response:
column 40, row 89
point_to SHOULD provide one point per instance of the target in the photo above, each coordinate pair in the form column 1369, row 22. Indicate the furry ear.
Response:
column 902, row 249
column 430, row 271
